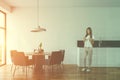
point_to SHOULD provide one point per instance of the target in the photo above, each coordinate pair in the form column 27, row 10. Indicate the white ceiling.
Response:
column 62, row 3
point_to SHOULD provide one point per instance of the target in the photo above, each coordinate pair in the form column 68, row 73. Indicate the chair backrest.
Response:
column 55, row 57
column 19, row 59
column 12, row 52
column 39, row 59
column 63, row 54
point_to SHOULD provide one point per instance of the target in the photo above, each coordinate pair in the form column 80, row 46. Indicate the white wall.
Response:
column 64, row 27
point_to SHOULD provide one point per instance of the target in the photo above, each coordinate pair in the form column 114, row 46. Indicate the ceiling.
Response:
column 62, row 3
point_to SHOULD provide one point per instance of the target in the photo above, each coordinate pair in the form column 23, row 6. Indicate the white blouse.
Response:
column 87, row 42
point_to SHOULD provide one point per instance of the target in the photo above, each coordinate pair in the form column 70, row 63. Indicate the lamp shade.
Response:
column 39, row 29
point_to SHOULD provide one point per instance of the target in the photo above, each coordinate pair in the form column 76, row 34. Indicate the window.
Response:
column 2, row 38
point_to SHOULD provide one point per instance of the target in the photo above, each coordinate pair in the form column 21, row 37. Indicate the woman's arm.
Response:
column 84, row 39
column 92, row 41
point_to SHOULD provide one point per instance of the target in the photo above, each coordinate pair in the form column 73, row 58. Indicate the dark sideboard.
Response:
column 101, row 43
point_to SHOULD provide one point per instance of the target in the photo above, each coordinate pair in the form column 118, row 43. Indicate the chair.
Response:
column 12, row 52
column 19, row 59
column 39, row 61
column 55, row 59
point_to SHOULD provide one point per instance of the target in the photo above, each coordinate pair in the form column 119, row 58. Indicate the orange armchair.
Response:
column 19, row 59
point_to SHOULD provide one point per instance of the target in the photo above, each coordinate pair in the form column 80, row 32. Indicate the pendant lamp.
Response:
column 38, row 28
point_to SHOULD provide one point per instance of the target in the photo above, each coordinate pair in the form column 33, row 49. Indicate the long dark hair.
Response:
column 89, row 28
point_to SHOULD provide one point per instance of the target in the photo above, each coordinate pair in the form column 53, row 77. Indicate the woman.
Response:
column 88, row 46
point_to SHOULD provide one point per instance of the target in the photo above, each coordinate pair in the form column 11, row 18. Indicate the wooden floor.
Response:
column 70, row 72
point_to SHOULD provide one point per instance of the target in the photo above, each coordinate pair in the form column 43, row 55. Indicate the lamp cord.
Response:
column 38, row 13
